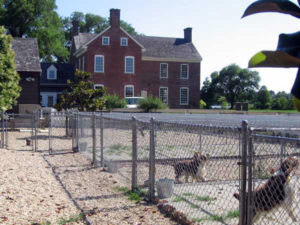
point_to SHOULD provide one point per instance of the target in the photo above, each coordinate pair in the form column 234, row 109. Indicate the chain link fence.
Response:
column 273, row 179
column 211, row 174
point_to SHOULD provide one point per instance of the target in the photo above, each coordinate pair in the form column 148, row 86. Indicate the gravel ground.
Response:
column 36, row 187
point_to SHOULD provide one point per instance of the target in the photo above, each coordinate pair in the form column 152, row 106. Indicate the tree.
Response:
column 263, row 99
column 223, row 102
column 82, row 95
column 9, row 78
column 36, row 18
column 235, row 83
column 208, row 93
column 282, row 101
column 202, row 104
column 287, row 53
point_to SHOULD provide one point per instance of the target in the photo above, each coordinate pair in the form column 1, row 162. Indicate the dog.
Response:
column 277, row 192
column 194, row 168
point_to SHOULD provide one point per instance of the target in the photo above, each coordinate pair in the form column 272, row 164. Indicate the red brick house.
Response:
column 28, row 67
column 140, row 65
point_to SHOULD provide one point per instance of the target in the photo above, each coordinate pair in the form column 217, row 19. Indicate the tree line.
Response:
column 233, row 84
column 39, row 19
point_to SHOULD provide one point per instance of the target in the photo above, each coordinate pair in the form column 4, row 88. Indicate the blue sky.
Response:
column 219, row 33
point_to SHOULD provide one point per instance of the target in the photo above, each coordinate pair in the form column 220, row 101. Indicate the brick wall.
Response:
column 114, row 77
column 151, row 82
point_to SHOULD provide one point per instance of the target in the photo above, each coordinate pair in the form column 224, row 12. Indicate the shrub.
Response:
column 202, row 104
column 113, row 101
column 151, row 103
column 222, row 100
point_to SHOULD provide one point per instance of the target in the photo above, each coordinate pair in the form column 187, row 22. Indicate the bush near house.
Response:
column 202, row 104
column 151, row 103
column 113, row 101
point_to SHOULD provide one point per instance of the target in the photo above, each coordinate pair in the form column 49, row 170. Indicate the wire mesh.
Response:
column 18, row 131
column 275, row 183
column 143, row 153
column 202, row 164
column 117, row 147
column 60, row 133
column 85, row 134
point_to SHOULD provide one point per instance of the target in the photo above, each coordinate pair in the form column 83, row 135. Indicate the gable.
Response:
column 64, row 72
column 83, row 40
column 51, row 73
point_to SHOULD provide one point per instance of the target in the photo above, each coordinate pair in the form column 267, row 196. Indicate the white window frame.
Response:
column 105, row 38
column 129, row 86
column 160, row 97
column 98, row 85
column 124, row 39
column 187, row 71
column 187, row 97
column 160, row 70
column 45, row 96
column 52, row 68
column 129, row 72
column 95, row 65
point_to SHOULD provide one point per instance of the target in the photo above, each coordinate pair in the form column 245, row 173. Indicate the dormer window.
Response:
column 124, row 41
column 105, row 40
column 52, row 73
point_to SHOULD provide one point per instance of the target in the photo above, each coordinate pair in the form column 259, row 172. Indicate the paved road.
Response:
column 234, row 120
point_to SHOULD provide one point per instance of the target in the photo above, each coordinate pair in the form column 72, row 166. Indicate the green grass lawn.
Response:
column 273, row 111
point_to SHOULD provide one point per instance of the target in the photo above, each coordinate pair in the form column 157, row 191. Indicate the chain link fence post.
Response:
column 67, row 123
column 152, row 161
column 74, row 132
column 200, row 140
column 2, row 133
column 77, row 131
column 101, row 140
column 36, row 130
column 32, row 130
column 243, row 172
column 250, row 184
column 282, row 150
column 50, row 133
column 6, row 131
column 94, row 137
column 134, row 154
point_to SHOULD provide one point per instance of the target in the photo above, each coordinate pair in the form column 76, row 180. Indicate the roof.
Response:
column 169, row 48
column 154, row 47
column 65, row 72
column 27, row 54
column 83, row 38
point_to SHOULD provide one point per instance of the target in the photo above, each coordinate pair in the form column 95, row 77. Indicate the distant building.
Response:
column 28, row 67
column 54, row 80
column 140, row 65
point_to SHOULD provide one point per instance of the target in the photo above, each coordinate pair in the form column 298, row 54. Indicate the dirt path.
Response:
column 38, row 188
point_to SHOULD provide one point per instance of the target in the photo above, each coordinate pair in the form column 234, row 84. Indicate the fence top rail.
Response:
column 186, row 124
column 263, row 129
column 24, row 115
column 276, row 138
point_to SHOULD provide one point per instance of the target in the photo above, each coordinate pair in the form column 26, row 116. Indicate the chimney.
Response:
column 188, row 34
column 114, row 18
column 75, row 27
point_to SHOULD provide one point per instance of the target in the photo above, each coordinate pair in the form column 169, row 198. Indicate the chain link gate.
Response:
column 61, row 127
